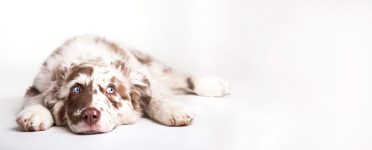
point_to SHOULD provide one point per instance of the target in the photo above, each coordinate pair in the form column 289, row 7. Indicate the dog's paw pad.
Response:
column 31, row 120
column 212, row 86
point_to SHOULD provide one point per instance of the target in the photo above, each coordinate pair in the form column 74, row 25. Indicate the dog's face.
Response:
column 95, row 99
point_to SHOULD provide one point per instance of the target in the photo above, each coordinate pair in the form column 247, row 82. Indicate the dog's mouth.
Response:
column 85, row 129
column 91, row 121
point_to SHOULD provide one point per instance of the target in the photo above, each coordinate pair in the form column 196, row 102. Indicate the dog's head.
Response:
column 93, row 98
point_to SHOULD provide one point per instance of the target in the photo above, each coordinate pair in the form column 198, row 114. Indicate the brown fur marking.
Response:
column 111, row 98
column 32, row 91
column 60, row 117
column 76, row 101
column 75, row 71
column 142, row 58
column 101, row 89
column 121, row 66
column 122, row 92
column 140, row 95
column 190, row 83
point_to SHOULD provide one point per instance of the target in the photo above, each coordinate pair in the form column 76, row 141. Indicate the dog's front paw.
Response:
column 175, row 115
column 211, row 86
column 35, row 118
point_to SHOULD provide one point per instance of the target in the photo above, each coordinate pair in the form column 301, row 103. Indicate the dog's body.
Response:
column 92, row 85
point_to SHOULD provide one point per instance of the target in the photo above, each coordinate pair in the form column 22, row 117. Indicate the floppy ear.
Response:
column 140, row 92
column 53, row 100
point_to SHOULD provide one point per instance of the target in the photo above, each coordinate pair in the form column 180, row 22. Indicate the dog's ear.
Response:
column 140, row 92
column 54, row 99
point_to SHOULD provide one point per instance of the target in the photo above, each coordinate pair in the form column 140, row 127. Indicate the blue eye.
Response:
column 76, row 89
column 110, row 90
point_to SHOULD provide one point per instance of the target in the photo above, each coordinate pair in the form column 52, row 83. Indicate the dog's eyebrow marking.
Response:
column 77, row 70
column 101, row 89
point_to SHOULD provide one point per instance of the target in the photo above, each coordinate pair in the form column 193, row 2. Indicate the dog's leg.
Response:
column 183, row 83
column 191, row 84
column 155, row 99
column 34, row 116
column 165, row 111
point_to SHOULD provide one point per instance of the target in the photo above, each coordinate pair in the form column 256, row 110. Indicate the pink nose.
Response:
column 90, row 116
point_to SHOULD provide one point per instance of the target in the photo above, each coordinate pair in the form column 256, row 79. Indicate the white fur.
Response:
column 211, row 86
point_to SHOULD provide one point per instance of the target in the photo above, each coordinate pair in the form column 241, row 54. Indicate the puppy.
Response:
column 92, row 84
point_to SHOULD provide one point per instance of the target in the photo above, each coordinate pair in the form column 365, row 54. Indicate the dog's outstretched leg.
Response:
column 167, row 112
column 182, row 83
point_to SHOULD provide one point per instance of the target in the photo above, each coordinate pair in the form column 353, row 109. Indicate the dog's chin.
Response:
column 87, row 132
column 84, row 129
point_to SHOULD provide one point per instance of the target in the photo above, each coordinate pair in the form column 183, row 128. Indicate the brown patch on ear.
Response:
column 75, row 71
column 52, row 98
column 190, row 83
column 59, row 74
column 140, row 95
column 32, row 91
column 142, row 58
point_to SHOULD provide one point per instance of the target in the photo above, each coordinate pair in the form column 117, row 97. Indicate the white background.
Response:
column 300, row 70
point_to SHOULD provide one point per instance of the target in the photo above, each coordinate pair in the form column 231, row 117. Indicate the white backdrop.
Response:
column 300, row 70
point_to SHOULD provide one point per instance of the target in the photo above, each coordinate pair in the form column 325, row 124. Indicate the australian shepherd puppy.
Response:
column 92, row 84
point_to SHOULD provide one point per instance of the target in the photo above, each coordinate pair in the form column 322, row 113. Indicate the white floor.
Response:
column 300, row 70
